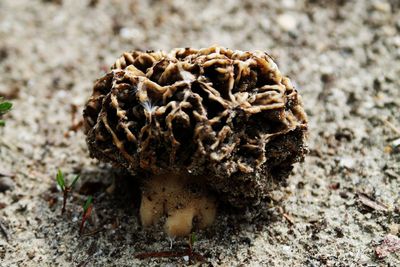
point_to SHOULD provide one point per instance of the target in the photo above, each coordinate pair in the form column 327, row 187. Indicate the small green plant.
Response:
column 87, row 211
column 4, row 108
column 65, row 189
column 192, row 240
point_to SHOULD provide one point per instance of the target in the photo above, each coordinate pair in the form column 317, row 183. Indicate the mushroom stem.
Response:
column 180, row 199
column 179, row 222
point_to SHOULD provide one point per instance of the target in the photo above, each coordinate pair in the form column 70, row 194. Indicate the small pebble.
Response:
column 31, row 254
column 394, row 228
column 277, row 196
column 287, row 250
column 396, row 143
column 247, row 241
column 130, row 33
column 347, row 162
column 287, row 22
column 382, row 7
column 6, row 183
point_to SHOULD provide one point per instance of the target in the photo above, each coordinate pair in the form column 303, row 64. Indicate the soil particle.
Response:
column 6, row 183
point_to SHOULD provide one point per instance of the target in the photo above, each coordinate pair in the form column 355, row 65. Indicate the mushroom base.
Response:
column 181, row 200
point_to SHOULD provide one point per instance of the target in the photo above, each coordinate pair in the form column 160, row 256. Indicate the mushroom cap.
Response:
column 227, row 116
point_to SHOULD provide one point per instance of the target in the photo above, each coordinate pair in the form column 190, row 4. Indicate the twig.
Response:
column 75, row 123
column 391, row 126
column 83, row 263
column 371, row 203
column 172, row 254
column 286, row 216
column 94, row 232
column 4, row 231
column 161, row 254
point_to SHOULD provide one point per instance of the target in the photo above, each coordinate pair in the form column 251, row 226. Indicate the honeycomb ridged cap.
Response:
column 229, row 116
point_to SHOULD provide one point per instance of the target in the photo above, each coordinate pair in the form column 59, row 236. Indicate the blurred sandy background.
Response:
column 342, row 203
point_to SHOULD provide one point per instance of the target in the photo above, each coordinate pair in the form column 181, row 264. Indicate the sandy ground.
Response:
column 339, row 205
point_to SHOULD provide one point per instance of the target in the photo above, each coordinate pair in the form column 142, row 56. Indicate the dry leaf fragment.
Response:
column 390, row 244
column 371, row 203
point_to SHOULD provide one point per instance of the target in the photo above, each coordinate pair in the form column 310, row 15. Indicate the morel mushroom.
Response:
column 196, row 124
